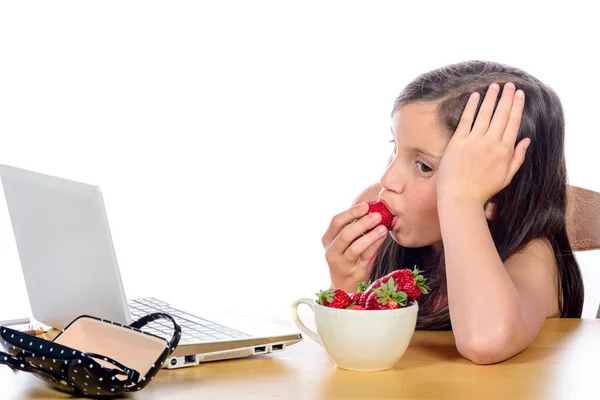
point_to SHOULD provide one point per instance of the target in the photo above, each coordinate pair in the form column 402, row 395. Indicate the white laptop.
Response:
column 70, row 268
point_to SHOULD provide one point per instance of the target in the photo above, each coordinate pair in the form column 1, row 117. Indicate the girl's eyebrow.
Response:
column 426, row 153
column 418, row 149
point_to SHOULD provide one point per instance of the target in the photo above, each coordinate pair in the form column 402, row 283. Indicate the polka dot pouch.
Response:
column 91, row 357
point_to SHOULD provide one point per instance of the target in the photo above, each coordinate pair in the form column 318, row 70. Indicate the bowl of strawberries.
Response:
column 371, row 328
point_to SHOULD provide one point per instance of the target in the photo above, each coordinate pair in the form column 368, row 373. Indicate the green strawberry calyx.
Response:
column 420, row 280
column 325, row 296
column 362, row 286
column 387, row 294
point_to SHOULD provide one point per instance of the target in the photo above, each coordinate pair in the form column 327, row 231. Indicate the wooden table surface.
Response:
column 562, row 363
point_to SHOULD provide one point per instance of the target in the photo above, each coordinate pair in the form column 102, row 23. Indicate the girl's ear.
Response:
column 490, row 209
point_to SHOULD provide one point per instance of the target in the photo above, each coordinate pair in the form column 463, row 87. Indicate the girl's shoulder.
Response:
column 369, row 193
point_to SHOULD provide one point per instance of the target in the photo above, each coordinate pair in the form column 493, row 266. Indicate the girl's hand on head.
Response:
column 480, row 162
column 348, row 252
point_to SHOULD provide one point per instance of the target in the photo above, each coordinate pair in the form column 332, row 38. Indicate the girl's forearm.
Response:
column 484, row 303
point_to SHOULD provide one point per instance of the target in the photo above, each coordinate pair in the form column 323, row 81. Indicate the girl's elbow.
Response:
column 480, row 354
column 485, row 349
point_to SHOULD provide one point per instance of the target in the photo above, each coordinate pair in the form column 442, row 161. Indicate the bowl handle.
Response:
column 294, row 314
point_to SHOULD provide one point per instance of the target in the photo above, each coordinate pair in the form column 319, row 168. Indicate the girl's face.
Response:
column 409, row 182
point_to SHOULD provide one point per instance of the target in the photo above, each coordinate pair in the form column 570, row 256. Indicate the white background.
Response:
column 225, row 135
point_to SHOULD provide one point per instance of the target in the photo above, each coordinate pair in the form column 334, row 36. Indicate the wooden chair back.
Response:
column 583, row 218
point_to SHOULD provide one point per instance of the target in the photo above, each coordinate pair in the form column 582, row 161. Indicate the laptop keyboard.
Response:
column 194, row 329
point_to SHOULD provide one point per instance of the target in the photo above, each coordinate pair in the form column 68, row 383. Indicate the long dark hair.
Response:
column 532, row 206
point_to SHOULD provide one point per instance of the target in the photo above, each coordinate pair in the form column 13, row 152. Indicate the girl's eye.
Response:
column 423, row 167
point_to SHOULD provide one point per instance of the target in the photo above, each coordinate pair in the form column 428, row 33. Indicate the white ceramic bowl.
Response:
column 360, row 340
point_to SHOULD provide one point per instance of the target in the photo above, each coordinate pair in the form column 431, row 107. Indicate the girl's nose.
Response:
column 393, row 178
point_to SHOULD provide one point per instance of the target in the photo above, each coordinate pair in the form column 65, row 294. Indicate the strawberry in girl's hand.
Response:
column 386, row 215
column 409, row 282
column 386, row 297
column 335, row 298
column 355, row 297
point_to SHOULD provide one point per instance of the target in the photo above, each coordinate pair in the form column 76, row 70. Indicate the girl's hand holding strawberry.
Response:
column 348, row 249
column 480, row 162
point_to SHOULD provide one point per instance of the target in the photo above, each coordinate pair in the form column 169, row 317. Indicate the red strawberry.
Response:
column 335, row 298
column 409, row 282
column 363, row 298
column 355, row 307
column 386, row 297
column 386, row 215
column 355, row 297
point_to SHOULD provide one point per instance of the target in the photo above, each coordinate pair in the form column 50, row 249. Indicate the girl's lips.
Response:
column 382, row 201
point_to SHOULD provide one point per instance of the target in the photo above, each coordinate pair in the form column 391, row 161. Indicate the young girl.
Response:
column 477, row 185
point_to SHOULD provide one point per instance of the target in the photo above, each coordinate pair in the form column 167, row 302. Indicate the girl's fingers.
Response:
column 514, row 120
column 352, row 231
column 517, row 159
column 369, row 253
column 485, row 112
column 468, row 115
column 363, row 244
column 339, row 221
column 502, row 113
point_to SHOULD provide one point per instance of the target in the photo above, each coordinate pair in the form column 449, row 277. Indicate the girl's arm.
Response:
column 496, row 308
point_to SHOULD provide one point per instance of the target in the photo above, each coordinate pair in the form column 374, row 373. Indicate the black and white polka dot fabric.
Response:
column 76, row 372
